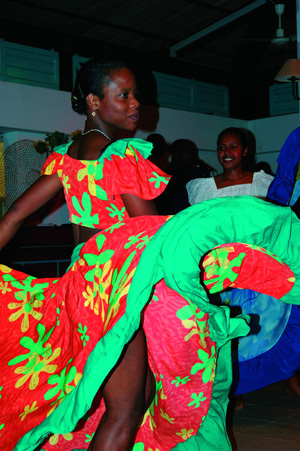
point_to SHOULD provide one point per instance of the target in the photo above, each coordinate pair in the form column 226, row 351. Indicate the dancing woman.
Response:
column 104, row 185
column 75, row 368
column 73, row 352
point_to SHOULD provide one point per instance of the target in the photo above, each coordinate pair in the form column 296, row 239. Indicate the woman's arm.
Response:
column 31, row 200
column 136, row 206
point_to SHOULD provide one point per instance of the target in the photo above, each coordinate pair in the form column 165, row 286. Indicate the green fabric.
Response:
column 174, row 255
column 212, row 434
column 75, row 255
column 100, row 362
column 116, row 148
column 119, row 147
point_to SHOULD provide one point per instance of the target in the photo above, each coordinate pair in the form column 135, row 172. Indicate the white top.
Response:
column 206, row 188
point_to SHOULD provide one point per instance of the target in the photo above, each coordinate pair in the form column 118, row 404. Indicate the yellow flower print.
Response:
column 67, row 390
column 150, row 412
column 54, row 438
column 4, row 287
column 5, row 269
column 194, row 320
column 89, row 296
column 185, row 434
column 130, row 150
column 88, row 171
column 216, row 258
column 166, row 416
column 49, row 168
column 98, row 296
column 59, row 171
column 25, row 307
column 152, row 423
column 114, row 300
column 79, row 262
column 37, row 365
column 102, row 286
column 65, row 182
column 28, row 410
column 194, row 330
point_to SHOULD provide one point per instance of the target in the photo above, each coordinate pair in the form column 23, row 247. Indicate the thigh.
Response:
column 124, row 388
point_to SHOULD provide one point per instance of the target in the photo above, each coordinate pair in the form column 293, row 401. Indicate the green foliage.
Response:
column 52, row 140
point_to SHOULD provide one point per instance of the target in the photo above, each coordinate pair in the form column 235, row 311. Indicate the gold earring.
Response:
column 94, row 113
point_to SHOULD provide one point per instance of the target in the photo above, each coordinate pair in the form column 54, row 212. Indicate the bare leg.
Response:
column 239, row 402
column 125, row 397
column 292, row 386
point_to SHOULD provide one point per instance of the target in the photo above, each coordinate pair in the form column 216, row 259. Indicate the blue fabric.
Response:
column 281, row 189
column 277, row 356
column 277, row 364
column 273, row 317
column 295, row 194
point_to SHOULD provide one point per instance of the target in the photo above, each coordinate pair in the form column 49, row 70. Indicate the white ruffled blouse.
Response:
column 205, row 188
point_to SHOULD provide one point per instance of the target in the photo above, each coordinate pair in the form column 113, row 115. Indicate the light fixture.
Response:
column 290, row 72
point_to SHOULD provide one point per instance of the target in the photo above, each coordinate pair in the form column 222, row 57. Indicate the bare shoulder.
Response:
column 87, row 147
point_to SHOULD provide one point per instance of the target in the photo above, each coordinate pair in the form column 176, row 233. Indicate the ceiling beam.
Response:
column 215, row 26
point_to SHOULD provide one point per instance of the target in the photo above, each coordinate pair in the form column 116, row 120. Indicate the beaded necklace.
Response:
column 97, row 130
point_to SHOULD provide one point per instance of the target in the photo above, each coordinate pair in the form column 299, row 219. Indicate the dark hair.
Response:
column 178, row 146
column 264, row 166
column 235, row 131
column 92, row 77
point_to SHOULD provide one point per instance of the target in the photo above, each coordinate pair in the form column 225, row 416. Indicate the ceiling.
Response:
column 220, row 41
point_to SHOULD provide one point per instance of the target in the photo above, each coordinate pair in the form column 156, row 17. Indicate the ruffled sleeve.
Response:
column 54, row 162
column 131, row 172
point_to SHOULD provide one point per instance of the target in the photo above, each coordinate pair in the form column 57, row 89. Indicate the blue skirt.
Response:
column 271, row 352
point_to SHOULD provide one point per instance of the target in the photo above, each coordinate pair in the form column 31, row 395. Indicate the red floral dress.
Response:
column 56, row 330
column 61, row 337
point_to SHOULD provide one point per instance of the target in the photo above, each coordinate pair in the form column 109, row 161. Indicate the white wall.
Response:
column 270, row 134
column 203, row 129
column 37, row 110
column 30, row 112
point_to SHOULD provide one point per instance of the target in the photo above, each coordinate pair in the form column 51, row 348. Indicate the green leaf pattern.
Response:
column 207, row 363
column 62, row 383
column 83, row 332
column 115, row 212
column 158, row 179
column 84, row 212
column 98, row 259
column 25, row 286
column 34, row 348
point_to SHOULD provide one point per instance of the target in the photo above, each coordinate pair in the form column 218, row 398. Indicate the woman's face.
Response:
column 119, row 107
column 231, row 151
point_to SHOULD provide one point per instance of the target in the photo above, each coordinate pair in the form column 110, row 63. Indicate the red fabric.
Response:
column 50, row 326
column 93, row 188
column 247, row 266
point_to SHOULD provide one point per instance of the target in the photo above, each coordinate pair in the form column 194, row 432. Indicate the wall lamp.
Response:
column 290, row 72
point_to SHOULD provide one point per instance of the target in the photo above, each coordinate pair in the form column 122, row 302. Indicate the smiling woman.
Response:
column 232, row 148
column 235, row 180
